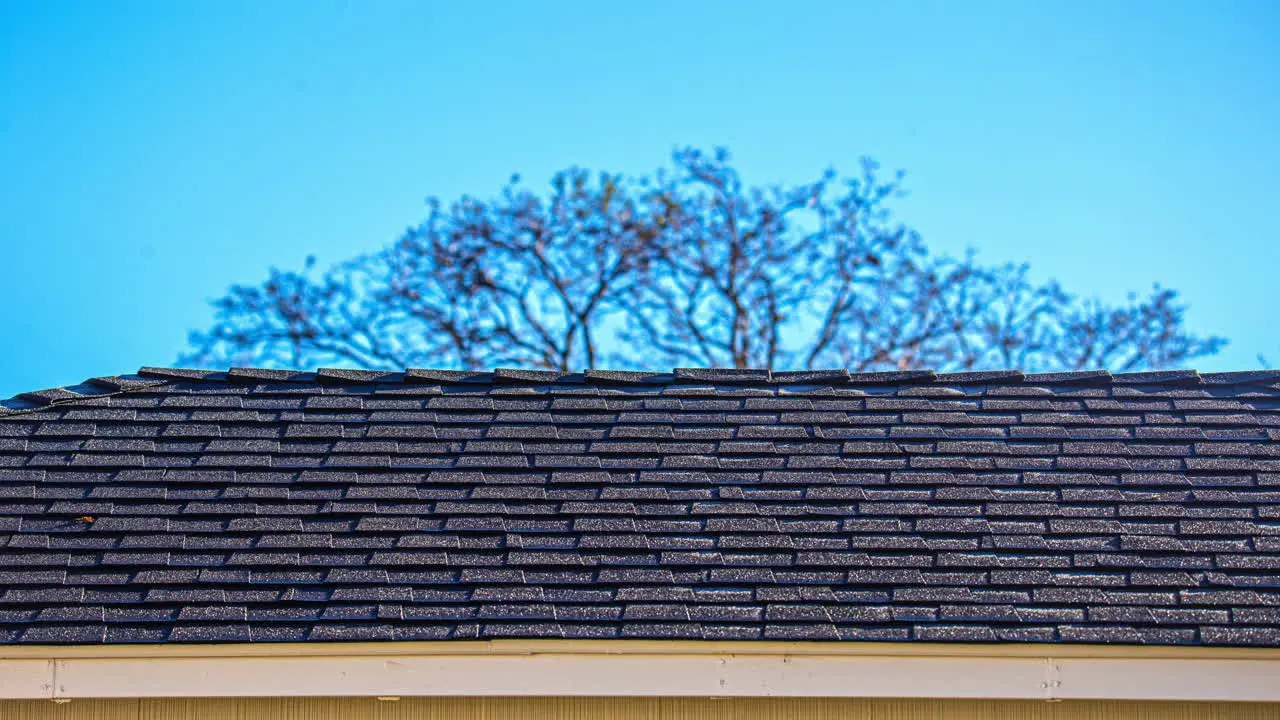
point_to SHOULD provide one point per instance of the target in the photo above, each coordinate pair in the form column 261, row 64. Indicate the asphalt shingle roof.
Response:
column 266, row 505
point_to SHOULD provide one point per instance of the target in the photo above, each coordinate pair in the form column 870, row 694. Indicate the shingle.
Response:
column 668, row 631
column 810, row 377
column 723, row 375
column 1240, row 378
column 953, row 633
column 623, row 377
column 531, row 376
column 327, row 632
column 1087, row 376
column 990, row 376
column 904, row 377
column 1164, row 377
column 343, row 375
column 64, row 634
column 180, row 374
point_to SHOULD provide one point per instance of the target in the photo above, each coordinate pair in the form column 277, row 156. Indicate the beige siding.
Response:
column 625, row 708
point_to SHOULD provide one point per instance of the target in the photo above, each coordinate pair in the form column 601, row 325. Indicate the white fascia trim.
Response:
column 650, row 674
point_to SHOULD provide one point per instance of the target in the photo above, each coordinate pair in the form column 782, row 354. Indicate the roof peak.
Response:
column 153, row 376
column 717, row 376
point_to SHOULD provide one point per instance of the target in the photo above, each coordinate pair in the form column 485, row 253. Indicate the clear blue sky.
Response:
column 152, row 153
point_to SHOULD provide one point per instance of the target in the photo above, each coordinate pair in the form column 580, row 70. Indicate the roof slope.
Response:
column 262, row 505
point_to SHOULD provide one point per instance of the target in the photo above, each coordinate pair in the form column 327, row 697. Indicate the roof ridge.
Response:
column 92, row 388
column 150, row 377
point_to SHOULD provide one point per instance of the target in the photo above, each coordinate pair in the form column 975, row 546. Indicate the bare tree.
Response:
column 684, row 267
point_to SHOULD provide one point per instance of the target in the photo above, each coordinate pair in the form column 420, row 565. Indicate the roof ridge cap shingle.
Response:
column 92, row 388
column 150, row 377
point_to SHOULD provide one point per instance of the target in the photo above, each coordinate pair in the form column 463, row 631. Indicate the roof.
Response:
column 279, row 506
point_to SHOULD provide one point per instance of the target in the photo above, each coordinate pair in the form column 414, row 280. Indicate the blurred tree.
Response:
column 684, row 267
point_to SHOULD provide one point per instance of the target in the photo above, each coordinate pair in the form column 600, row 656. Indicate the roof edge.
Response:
column 670, row 668
column 639, row 647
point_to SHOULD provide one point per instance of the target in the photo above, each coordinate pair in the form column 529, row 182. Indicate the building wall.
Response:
column 626, row 709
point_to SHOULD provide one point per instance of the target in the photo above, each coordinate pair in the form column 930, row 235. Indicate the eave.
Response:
column 644, row 668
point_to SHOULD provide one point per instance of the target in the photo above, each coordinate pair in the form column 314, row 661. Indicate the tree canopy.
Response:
column 687, row 266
